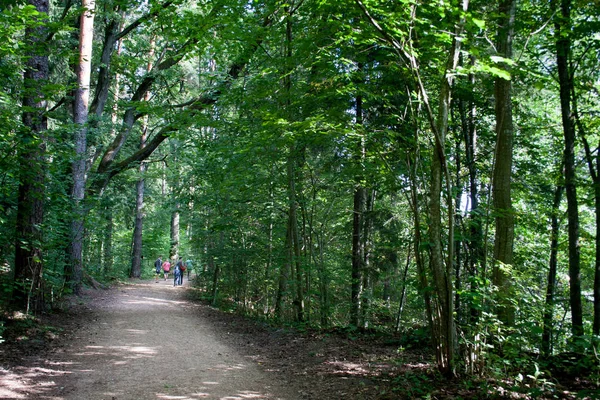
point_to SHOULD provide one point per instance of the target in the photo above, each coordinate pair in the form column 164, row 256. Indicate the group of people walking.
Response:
column 179, row 268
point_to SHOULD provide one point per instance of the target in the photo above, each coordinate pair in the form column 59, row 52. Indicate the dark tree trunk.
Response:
column 475, row 242
column 357, row 255
column 403, row 290
column 32, row 150
column 367, row 273
column 501, row 190
column 594, row 168
column 563, row 50
column 552, row 267
column 358, row 222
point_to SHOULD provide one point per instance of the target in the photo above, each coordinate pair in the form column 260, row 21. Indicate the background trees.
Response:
column 346, row 163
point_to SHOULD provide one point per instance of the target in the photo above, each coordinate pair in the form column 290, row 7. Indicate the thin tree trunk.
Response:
column 403, row 291
column 593, row 163
column 323, row 284
column 552, row 268
column 107, row 253
column 292, row 238
column 563, row 50
column 136, row 265
column 174, row 249
column 367, row 273
column 284, row 272
column 458, row 238
column 32, row 151
column 217, row 271
column 475, row 242
column 358, row 215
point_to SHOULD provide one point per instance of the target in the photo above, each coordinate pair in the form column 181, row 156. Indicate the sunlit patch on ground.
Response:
column 126, row 352
column 26, row 381
column 348, row 368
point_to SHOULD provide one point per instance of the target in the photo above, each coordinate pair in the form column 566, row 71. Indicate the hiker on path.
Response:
column 188, row 266
column 157, row 267
column 181, row 265
column 166, row 267
column 177, row 273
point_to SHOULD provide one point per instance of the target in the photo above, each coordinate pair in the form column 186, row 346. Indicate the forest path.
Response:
column 148, row 341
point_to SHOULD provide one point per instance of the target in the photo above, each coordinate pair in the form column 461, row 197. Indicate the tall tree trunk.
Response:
column 358, row 222
column 443, row 271
column 504, row 237
column 565, row 79
column 136, row 256
column 593, row 163
column 292, row 237
column 32, row 151
column 552, row 268
column 80, row 117
column 442, row 274
column 458, row 238
column 357, row 255
column 475, row 256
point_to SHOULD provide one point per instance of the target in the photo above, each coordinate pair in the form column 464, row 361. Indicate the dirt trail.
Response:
column 147, row 341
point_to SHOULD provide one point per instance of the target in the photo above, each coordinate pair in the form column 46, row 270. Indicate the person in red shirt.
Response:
column 166, row 267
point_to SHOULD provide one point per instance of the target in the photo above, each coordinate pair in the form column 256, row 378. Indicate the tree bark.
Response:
column 107, row 253
column 80, row 117
column 565, row 79
column 29, row 265
column 358, row 222
column 552, row 268
column 501, row 187
column 593, row 163
column 136, row 256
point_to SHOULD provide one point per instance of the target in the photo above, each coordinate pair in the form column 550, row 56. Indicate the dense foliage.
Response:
column 290, row 149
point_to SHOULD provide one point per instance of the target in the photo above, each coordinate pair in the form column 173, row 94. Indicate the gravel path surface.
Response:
column 146, row 341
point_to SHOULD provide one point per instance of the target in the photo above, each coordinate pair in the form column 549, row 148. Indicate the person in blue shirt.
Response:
column 157, row 268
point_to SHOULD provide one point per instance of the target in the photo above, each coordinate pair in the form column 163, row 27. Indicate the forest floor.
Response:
column 147, row 340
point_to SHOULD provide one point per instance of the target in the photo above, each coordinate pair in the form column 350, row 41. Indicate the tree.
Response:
column 565, row 80
column 504, row 236
column 136, row 256
column 32, row 152
column 80, row 118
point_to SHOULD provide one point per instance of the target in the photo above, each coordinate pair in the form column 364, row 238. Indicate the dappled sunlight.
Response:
column 243, row 394
column 137, row 331
column 246, row 394
column 230, row 367
column 348, row 368
column 127, row 352
column 165, row 301
column 27, row 381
